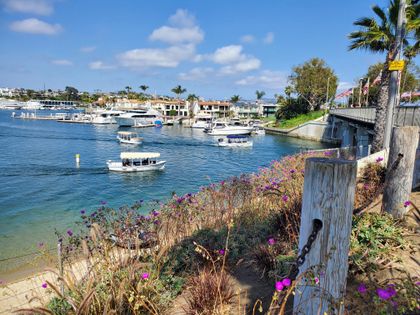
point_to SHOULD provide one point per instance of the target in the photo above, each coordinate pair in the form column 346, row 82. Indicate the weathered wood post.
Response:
column 401, row 162
column 328, row 196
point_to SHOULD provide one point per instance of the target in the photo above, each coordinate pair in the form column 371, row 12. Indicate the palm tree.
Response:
column 259, row 94
column 178, row 90
column 235, row 99
column 128, row 89
column 143, row 88
column 379, row 36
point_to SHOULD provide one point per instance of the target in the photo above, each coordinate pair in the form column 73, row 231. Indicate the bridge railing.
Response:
column 365, row 114
column 407, row 116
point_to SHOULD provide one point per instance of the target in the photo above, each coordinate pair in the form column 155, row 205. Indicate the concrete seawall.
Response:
column 316, row 130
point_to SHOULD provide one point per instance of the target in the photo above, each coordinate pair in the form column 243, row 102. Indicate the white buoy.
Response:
column 77, row 158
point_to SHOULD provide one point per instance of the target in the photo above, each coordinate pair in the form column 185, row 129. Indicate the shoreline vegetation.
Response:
column 185, row 254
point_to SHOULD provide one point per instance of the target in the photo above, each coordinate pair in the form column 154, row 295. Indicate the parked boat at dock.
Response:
column 128, row 137
column 106, row 117
column 235, row 141
column 137, row 162
column 138, row 118
column 220, row 128
column 202, row 121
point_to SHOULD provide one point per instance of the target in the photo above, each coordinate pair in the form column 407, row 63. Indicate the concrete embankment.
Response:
column 317, row 130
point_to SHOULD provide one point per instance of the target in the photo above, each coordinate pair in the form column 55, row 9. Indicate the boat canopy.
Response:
column 236, row 137
column 139, row 155
column 126, row 133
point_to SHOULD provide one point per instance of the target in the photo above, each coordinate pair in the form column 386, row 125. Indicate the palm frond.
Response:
column 380, row 13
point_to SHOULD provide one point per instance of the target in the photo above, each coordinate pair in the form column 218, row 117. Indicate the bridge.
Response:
column 403, row 115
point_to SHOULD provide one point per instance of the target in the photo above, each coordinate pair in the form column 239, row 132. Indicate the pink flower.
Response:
column 41, row 245
column 316, row 279
column 362, row 288
column 145, row 276
column 44, row 285
column 271, row 241
column 279, row 286
column 286, row 282
column 379, row 159
column 407, row 203
column 285, row 198
column 365, row 186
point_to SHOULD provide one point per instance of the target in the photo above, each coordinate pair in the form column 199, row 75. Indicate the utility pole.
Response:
column 393, row 85
column 360, row 92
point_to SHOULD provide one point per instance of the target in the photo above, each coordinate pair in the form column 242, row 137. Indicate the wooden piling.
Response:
column 328, row 196
column 401, row 163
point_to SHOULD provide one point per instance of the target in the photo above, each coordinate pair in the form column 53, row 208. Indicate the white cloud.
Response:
column 248, row 64
column 182, row 18
column 233, row 59
column 266, row 79
column 227, row 54
column 156, row 57
column 99, row 65
column 35, row 26
column 269, row 38
column 183, row 30
column 62, row 62
column 246, row 39
column 41, row 7
column 196, row 73
column 88, row 49
column 173, row 35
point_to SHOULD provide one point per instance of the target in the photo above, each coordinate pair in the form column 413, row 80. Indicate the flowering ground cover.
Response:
column 139, row 264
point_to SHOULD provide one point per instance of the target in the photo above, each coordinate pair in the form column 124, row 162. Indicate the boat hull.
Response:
column 118, row 167
column 228, row 131
column 235, row 145
column 132, row 141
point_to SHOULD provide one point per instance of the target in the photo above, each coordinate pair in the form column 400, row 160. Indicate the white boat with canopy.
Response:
column 235, row 141
column 128, row 137
column 137, row 162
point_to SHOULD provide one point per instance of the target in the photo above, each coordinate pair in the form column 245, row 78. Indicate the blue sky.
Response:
column 212, row 48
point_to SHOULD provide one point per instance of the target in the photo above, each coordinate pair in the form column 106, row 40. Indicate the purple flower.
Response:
column 44, row 285
column 221, row 252
column 155, row 213
column 328, row 153
column 145, row 276
column 82, row 211
column 417, row 283
column 365, row 186
column 379, row 159
column 386, row 294
column 285, row 198
column 362, row 288
column 292, row 171
column 103, row 202
column 69, row 232
column 407, row 203
column 286, row 282
column 41, row 244
column 156, row 222
column 271, row 241
column 279, row 286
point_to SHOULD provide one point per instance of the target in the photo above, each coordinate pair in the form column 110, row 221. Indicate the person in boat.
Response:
column 125, row 162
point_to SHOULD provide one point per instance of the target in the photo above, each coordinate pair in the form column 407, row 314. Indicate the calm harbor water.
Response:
column 42, row 189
